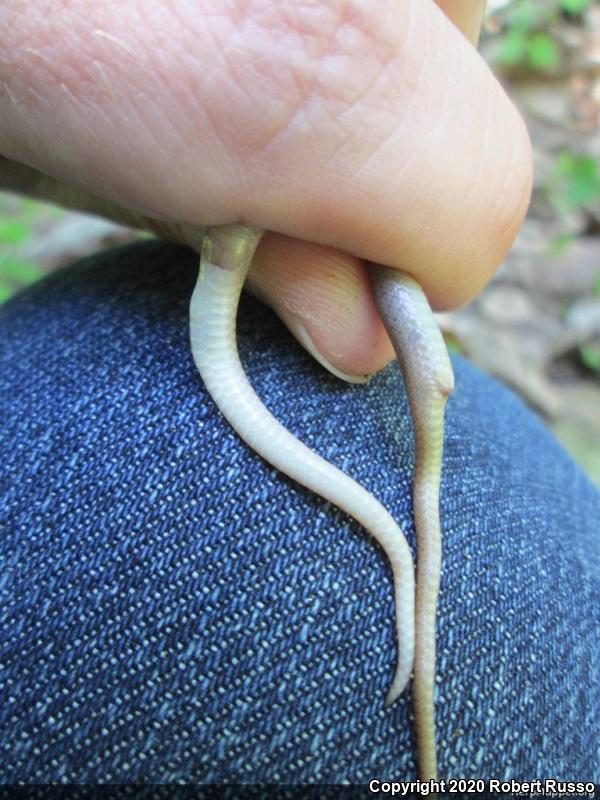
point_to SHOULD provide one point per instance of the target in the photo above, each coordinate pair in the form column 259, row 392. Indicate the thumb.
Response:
column 373, row 131
column 462, row 199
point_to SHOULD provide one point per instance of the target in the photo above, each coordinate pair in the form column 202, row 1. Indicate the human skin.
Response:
column 352, row 131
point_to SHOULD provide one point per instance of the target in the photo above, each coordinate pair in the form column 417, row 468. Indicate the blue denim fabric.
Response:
column 173, row 609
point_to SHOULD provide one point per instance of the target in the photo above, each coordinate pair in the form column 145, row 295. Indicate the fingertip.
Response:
column 300, row 332
column 324, row 297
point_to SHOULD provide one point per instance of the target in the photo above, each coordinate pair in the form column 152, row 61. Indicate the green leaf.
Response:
column 559, row 245
column 566, row 162
column 22, row 272
column 5, row 292
column 584, row 182
column 526, row 14
column 514, row 48
column 590, row 355
column 575, row 6
column 597, row 285
column 575, row 181
column 542, row 52
column 13, row 232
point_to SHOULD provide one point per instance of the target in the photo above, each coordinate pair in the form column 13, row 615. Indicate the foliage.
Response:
column 525, row 38
column 574, row 182
column 590, row 355
column 17, row 228
column 560, row 244
column 575, row 6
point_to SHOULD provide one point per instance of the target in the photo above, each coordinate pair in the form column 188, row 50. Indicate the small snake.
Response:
column 226, row 255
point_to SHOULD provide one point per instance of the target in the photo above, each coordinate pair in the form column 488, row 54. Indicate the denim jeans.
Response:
column 175, row 610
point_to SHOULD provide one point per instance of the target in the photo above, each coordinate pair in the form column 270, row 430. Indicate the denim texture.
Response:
column 174, row 610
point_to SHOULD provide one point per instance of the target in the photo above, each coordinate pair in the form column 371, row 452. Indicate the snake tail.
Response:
column 226, row 255
column 429, row 380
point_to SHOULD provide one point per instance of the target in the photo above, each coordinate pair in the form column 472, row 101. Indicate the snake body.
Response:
column 429, row 380
column 226, row 255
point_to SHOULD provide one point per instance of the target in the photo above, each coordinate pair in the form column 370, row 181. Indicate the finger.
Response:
column 314, row 289
column 323, row 294
column 452, row 207
column 377, row 131
column 324, row 297
column 20, row 178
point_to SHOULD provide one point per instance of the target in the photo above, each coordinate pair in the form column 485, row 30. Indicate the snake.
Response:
column 226, row 253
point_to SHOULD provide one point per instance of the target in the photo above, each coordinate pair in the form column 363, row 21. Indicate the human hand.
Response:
column 352, row 131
